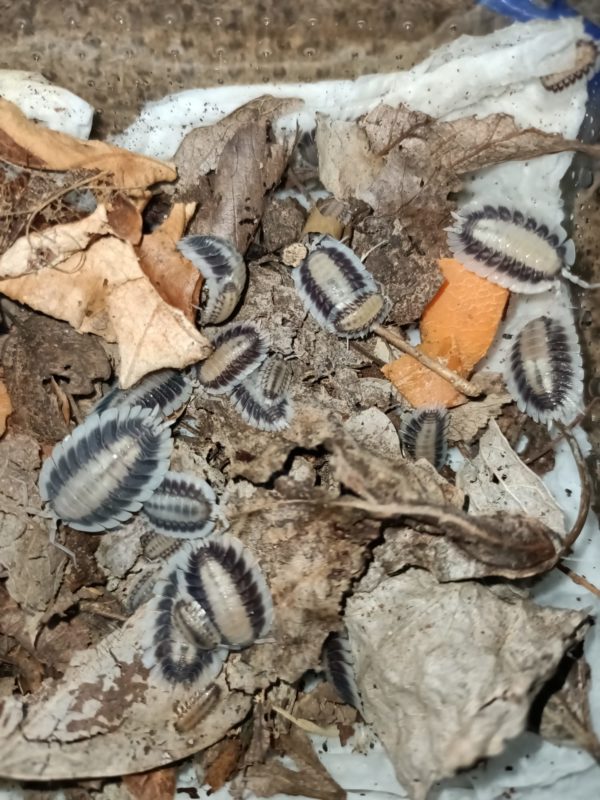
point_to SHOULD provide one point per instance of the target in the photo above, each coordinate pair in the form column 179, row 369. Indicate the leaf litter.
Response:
column 346, row 530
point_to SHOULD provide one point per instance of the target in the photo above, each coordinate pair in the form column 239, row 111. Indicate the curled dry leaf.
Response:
column 176, row 280
column 441, row 696
column 457, row 327
column 95, row 288
column 27, row 144
column 497, row 481
column 467, row 420
column 159, row 784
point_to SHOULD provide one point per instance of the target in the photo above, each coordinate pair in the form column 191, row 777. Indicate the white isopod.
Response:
column 338, row 665
column 240, row 348
column 183, row 506
column 262, row 399
column 104, row 471
column 424, row 435
column 169, row 389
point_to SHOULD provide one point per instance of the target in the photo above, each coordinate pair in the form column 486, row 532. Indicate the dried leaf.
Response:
column 467, row 420
column 96, row 290
column 498, row 481
column 566, row 717
column 446, row 693
column 124, row 219
column 41, row 349
column 159, row 784
column 27, row 144
column 224, row 756
column 310, row 778
column 249, row 166
column 5, row 406
column 176, row 280
column 457, row 327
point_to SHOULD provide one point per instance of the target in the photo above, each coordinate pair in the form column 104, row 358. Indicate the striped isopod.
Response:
column 183, row 506
column 338, row 665
column 510, row 247
column 545, row 372
column 338, row 290
column 169, row 652
column 262, row 399
column 240, row 348
column 168, row 389
column 424, row 435
column 224, row 578
column 103, row 472
column 198, row 705
column 586, row 60
column 224, row 274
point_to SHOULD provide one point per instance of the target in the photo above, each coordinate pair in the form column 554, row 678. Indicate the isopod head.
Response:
column 103, row 472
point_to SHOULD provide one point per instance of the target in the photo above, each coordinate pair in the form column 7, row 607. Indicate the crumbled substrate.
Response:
column 282, row 223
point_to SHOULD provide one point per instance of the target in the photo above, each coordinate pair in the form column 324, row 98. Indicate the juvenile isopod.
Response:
column 338, row 290
column 169, row 651
column 224, row 578
column 183, row 506
column 511, row 248
column 239, row 349
column 168, row 389
column 224, row 274
column 157, row 547
column 191, row 711
column 262, row 399
column 545, row 372
column 586, row 59
column 103, row 472
column 338, row 665
column 424, row 435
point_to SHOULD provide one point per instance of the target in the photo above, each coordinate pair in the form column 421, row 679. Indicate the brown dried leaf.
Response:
column 5, row 406
column 249, row 166
column 27, row 144
column 223, row 760
column 124, row 218
column 566, row 717
column 439, row 708
column 159, row 784
column 102, row 290
column 176, row 280
column 467, row 420
column 309, row 779
column 40, row 349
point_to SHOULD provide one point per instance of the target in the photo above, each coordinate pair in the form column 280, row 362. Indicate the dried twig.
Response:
column 460, row 384
column 578, row 579
column 551, row 444
column 586, row 492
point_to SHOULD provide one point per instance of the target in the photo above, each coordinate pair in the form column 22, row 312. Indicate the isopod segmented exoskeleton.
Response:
column 170, row 652
column 240, row 348
column 424, row 435
column 510, row 247
column 586, row 60
column 224, row 578
column 224, row 274
column 168, row 389
column 262, row 399
column 338, row 665
column 545, row 371
column 183, row 506
column 104, row 471
column 338, row 290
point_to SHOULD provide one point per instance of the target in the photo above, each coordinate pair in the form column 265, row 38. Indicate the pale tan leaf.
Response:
column 27, row 144
column 5, row 407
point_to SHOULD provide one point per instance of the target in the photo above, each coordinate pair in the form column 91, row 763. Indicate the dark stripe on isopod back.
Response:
column 424, row 435
column 265, row 415
column 183, row 505
column 101, row 474
column 221, row 371
column 338, row 665
column 168, row 389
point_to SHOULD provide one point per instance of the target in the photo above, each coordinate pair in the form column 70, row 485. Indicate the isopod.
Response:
column 224, row 578
column 545, row 372
column 104, row 471
column 170, row 652
column 224, row 274
column 166, row 388
column 240, row 348
column 586, row 59
column 511, row 248
column 183, row 506
column 262, row 399
column 424, row 435
column 338, row 665
column 189, row 712
column 338, row 290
